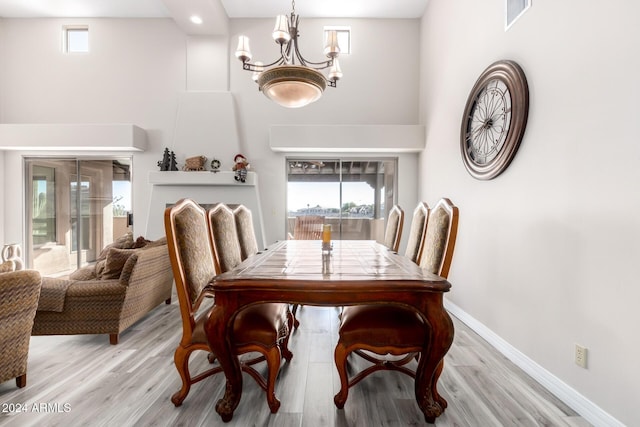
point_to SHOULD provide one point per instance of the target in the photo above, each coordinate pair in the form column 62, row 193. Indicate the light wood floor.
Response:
column 84, row 381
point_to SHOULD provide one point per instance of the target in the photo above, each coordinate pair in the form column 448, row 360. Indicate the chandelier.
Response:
column 291, row 80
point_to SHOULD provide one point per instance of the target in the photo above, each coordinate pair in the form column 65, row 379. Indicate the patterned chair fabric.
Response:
column 393, row 231
column 440, row 238
column 224, row 237
column 417, row 232
column 388, row 329
column 246, row 232
column 19, row 293
column 263, row 329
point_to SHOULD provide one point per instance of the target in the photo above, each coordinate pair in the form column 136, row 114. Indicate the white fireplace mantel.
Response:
column 199, row 178
column 203, row 187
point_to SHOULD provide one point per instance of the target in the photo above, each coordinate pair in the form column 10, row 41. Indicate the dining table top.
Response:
column 350, row 265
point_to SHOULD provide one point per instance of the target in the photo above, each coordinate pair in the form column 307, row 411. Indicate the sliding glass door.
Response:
column 353, row 195
column 74, row 208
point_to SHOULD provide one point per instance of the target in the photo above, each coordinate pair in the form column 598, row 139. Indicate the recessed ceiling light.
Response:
column 196, row 19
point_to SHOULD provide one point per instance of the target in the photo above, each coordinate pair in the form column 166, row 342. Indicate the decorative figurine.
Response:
column 215, row 165
column 168, row 162
column 173, row 165
column 194, row 163
column 164, row 163
column 240, row 167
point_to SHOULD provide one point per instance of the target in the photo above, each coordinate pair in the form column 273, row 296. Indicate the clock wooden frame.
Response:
column 510, row 75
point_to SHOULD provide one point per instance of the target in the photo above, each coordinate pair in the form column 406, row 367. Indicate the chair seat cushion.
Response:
column 382, row 325
column 258, row 324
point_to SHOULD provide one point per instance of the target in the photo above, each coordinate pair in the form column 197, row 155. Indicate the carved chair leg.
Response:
column 294, row 310
column 340, row 356
column 21, row 381
column 273, row 357
column 181, row 360
column 113, row 339
column 284, row 344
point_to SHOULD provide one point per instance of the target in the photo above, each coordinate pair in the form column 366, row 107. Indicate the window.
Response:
column 75, row 208
column 354, row 195
column 344, row 38
column 75, row 39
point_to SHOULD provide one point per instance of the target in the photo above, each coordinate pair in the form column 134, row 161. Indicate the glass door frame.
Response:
column 382, row 203
column 66, row 173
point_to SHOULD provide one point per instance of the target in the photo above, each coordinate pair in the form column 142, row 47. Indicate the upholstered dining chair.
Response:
column 192, row 261
column 246, row 232
column 19, row 293
column 255, row 323
column 417, row 232
column 374, row 331
column 393, row 230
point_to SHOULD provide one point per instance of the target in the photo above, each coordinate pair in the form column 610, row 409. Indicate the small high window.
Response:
column 75, row 39
column 344, row 38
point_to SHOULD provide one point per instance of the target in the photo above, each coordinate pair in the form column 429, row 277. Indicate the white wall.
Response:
column 138, row 71
column 546, row 253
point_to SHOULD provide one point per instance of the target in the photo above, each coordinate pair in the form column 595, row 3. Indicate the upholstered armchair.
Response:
column 19, row 293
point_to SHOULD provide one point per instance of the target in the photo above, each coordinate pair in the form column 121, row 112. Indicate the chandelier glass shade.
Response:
column 291, row 80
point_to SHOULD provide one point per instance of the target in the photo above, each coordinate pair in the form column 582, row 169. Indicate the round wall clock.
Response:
column 494, row 119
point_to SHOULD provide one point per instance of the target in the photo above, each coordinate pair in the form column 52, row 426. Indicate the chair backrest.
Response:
column 417, row 232
column 224, row 237
column 246, row 232
column 308, row 227
column 440, row 239
column 190, row 253
column 393, row 231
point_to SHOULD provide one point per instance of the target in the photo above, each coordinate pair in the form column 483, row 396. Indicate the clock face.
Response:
column 494, row 120
column 488, row 125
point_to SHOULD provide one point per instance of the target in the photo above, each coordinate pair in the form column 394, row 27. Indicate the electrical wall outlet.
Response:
column 581, row 356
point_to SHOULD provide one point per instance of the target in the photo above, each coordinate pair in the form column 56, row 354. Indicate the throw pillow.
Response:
column 140, row 242
column 155, row 243
column 123, row 242
column 84, row 273
column 116, row 258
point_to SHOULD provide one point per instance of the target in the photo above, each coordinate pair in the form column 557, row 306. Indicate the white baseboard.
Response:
column 583, row 406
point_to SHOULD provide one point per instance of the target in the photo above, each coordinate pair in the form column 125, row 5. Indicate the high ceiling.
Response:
column 233, row 8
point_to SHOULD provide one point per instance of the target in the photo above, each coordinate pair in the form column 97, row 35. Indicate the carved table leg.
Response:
column 432, row 362
column 222, row 347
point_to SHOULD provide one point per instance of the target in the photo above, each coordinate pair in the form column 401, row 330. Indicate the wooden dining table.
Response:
column 354, row 272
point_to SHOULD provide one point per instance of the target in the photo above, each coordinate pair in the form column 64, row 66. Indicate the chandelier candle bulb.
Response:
column 281, row 31
column 335, row 73
column 331, row 48
column 243, row 52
